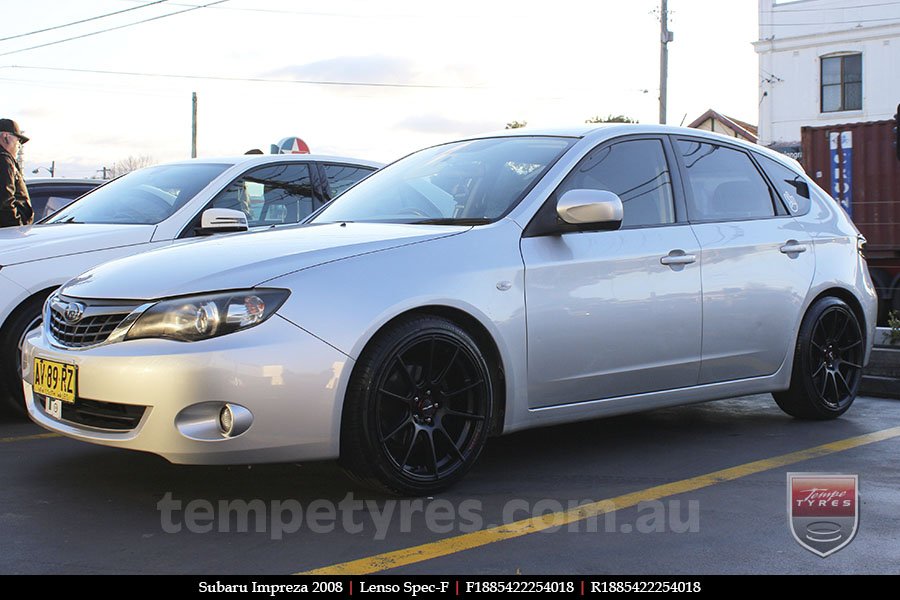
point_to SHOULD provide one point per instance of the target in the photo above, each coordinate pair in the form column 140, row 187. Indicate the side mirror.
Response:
column 590, row 209
column 222, row 220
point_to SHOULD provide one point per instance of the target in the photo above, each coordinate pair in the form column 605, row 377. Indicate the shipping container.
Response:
column 857, row 163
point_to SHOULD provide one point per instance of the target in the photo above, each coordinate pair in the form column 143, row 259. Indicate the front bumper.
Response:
column 291, row 383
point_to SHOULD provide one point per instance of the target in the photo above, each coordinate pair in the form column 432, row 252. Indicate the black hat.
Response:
column 10, row 126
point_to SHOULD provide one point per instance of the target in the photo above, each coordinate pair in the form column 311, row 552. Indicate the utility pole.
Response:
column 194, row 125
column 665, row 36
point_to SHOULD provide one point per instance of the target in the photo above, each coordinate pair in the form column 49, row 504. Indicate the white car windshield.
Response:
column 470, row 182
column 144, row 197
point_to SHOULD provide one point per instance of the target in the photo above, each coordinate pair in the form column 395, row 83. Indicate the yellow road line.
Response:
column 467, row 541
column 25, row 438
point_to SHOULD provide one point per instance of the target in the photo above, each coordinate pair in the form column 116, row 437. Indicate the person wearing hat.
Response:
column 15, row 205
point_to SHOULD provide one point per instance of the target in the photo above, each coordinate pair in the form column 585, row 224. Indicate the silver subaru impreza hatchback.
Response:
column 467, row 290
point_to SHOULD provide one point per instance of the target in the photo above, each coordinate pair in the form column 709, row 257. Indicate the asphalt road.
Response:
column 70, row 507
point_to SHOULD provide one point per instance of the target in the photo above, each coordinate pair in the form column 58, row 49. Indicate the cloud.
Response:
column 381, row 69
column 358, row 69
column 434, row 123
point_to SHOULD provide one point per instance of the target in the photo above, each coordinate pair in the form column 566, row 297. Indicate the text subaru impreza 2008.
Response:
column 470, row 289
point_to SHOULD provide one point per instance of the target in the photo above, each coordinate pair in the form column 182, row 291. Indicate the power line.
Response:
column 118, row 12
column 78, row 37
column 380, row 14
column 254, row 79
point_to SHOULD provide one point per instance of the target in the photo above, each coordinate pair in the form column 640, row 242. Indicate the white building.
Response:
column 826, row 62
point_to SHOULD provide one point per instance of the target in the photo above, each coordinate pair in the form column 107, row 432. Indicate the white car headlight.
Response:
column 194, row 318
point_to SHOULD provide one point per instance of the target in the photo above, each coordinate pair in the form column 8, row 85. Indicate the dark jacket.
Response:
column 15, row 205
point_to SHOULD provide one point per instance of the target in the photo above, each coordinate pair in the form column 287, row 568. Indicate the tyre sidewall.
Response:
column 361, row 452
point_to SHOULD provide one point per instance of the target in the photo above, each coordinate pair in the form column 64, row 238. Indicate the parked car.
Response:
column 149, row 208
column 473, row 288
column 49, row 194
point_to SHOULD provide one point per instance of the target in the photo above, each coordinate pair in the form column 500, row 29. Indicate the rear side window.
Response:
column 340, row 177
column 724, row 184
column 791, row 186
column 637, row 172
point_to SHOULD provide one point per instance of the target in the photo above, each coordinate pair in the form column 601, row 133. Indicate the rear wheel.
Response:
column 26, row 319
column 827, row 363
column 418, row 408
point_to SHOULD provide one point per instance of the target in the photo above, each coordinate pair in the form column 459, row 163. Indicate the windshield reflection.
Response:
column 463, row 183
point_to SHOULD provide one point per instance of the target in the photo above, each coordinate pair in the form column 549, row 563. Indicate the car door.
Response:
column 757, row 261
column 614, row 313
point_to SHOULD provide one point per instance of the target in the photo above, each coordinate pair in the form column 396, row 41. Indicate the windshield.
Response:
column 469, row 182
column 143, row 197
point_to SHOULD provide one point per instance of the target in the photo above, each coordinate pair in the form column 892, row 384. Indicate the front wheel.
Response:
column 418, row 408
column 25, row 320
column 827, row 363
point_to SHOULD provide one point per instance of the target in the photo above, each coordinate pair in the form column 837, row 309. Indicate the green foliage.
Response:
column 893, row 322
column 611, row 119
column 516, row 124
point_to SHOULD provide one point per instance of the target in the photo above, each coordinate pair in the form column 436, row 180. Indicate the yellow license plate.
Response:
column 56, row 380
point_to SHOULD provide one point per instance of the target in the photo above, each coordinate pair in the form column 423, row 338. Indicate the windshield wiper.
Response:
column 472, row 221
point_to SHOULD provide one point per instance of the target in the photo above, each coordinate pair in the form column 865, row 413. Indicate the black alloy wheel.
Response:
column 419, row 408
column 827, row 364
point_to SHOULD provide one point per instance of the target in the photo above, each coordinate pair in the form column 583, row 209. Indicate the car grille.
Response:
column 100, row 415
column 90, row 331
column 92, row 324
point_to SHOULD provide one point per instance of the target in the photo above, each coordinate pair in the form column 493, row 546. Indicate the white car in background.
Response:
column 151, row 208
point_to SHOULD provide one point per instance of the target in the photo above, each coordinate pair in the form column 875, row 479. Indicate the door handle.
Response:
column 793, row 247
column 678, row 257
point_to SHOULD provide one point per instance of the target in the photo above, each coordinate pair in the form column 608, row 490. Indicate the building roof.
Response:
column 741, row 128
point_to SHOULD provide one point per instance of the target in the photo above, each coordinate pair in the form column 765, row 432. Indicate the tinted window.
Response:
column 724, row 184
column 146, row 196
column 791, row 186
column 637, row 172
column 340, row 177
column 270, row 195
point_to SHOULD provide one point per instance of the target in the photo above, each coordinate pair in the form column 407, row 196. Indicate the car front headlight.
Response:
column 194, row 318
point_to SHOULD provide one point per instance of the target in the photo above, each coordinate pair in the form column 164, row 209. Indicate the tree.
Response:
column 516, row 124
column 127, row 165
column 611, row 119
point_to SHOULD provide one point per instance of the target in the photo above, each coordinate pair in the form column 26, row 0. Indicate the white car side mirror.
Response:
column 222, row 220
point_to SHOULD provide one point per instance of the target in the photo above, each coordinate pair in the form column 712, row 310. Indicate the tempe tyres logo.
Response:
column 823, row 510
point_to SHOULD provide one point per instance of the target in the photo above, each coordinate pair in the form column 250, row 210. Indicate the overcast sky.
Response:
column 267, row 69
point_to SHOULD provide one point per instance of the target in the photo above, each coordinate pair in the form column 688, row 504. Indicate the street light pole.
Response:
column 51, row 170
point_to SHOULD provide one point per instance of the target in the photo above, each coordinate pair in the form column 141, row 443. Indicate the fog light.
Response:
column 226, row 420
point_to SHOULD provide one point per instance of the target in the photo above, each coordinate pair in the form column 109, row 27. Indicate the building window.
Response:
column 842, row 83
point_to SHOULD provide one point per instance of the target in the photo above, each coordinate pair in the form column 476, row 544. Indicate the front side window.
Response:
column 270, row 195
column 724, row 184
column 637, row 172
column 841, row 82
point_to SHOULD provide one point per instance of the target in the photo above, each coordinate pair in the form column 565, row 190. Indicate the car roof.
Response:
column 63, row 181
column 601, row 131
column 249, row 160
